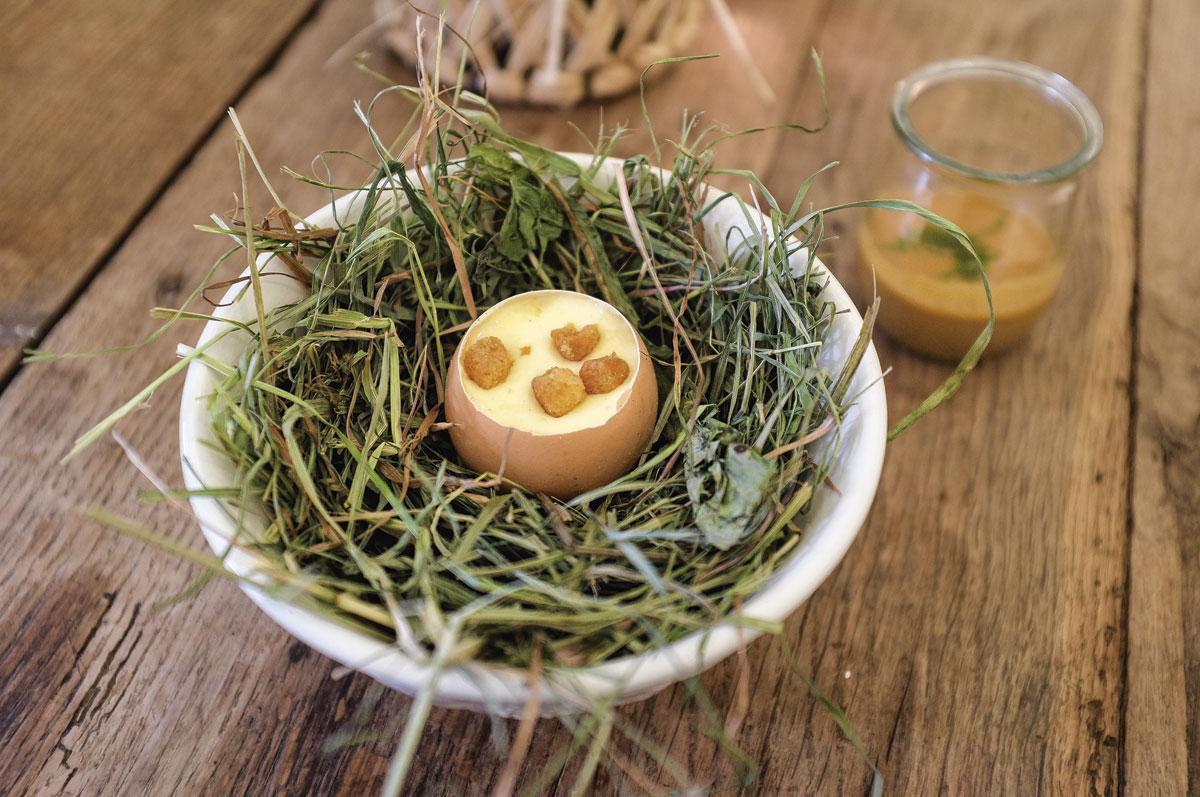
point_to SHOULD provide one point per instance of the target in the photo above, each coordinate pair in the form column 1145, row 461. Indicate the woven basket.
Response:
column 545, row 52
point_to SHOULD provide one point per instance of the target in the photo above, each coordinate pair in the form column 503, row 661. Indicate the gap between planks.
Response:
column 1134, row 352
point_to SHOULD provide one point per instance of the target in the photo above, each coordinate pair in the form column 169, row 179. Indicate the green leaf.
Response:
column 491, row 163
column 533, row 219
column 727, row 482
column 537, row 157
column 934, row 237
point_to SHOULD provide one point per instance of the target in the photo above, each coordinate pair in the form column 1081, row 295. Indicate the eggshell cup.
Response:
column 562, row 465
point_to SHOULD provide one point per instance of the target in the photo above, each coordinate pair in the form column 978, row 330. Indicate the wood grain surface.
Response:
column 103, row 103
column 1020, row 615
column 1162, row 752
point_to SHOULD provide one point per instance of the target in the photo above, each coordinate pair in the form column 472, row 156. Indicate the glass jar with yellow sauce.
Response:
column 998, row 148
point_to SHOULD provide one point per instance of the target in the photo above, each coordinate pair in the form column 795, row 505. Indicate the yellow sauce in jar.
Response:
column 931, row 299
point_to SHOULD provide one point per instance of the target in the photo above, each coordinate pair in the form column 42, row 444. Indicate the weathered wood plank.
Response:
column 974, row 632
column 102, row 103
column 1162, row 717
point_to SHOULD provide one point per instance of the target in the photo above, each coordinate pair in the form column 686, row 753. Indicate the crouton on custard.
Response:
column 603, row 373
column 559, row 391
column 487, row 362
column 575, row 344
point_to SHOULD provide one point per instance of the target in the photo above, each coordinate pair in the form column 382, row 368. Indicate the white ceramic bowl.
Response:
column 833, row 522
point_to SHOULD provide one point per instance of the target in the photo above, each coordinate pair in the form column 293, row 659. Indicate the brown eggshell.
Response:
column 562, row 465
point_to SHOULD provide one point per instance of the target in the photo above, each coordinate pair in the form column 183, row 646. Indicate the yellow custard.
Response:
column 523, row 324
column 928, row 298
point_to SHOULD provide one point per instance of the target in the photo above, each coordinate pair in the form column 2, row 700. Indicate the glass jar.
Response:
column 997, row 147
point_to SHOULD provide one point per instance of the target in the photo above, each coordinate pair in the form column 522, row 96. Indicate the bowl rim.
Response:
column 504, row 690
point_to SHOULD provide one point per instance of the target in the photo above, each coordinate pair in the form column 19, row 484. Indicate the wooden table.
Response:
column 1020, row 615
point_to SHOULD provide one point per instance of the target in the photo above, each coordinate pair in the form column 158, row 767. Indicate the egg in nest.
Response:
column 553, row 388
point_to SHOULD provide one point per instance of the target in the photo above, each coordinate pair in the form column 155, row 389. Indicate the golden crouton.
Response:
column 487, row 362
column 558, row 391
column 575, row 344
column 603, row 374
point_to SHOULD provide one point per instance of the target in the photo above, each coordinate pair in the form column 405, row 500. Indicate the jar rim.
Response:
column 1057, row 87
